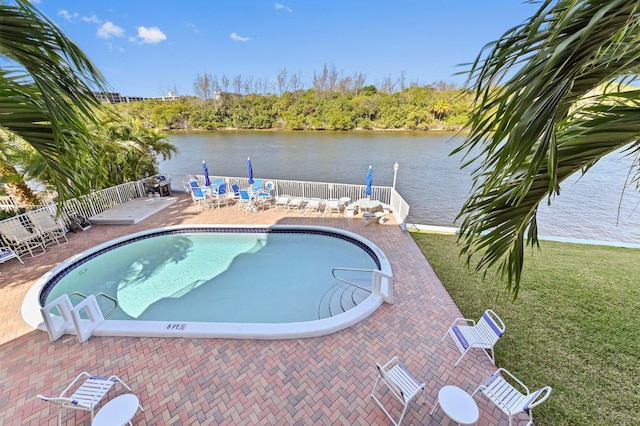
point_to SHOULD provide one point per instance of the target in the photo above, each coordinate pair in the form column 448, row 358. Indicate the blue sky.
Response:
column 146, row 48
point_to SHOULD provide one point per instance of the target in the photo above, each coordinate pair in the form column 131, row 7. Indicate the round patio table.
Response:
column 117, row 412
column 457, row 405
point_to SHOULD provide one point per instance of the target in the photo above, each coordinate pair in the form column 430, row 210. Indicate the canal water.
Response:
column 600, row 206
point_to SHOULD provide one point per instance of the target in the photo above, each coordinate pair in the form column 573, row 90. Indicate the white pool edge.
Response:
column 30, row 309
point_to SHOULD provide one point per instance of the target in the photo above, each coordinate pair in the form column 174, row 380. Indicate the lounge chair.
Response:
column 332, row 205
column 313, row 205
column 86, row 396
column 296, row 203
column 402, row 385
column 52, row 230
column 21, row 239
column 7, row 253
column 505, row 391
column 281, row 201
column 467, row 334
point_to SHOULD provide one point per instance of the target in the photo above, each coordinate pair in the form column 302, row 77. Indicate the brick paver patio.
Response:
column 315, row 381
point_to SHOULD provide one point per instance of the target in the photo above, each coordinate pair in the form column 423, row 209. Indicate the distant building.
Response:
column 116, row 98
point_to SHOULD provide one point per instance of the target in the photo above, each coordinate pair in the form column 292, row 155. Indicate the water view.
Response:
column 595, row 207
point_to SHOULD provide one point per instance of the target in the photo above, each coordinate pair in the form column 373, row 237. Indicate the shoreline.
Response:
column 434, row 229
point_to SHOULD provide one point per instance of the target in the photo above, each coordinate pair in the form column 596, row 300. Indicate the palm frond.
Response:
column 47, row 93
column 531, row 132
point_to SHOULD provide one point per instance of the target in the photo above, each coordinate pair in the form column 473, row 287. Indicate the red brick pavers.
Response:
column 314, row 381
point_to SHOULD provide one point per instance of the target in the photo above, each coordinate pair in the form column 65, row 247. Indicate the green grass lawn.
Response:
column 574, row 326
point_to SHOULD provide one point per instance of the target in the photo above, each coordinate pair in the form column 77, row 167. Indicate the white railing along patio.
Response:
column 99, row 201
column 307, row 189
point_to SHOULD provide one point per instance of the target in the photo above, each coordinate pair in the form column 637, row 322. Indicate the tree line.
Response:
column 332, row 104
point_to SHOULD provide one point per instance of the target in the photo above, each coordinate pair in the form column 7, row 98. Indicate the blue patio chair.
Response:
column 234, row 194
column 246, row 201
column 201, row 197
column 267, row 195
column 257, row 186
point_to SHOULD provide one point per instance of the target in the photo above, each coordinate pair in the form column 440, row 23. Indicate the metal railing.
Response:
column 307, row 189
column 111, row 298
column 381, row 283
column 99, row 201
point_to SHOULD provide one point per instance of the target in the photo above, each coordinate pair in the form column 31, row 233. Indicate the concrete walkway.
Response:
column 317, row 381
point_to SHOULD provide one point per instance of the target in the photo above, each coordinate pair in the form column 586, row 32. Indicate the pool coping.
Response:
column 30, row 309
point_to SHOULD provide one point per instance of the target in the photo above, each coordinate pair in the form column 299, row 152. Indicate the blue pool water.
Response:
column 218, row 275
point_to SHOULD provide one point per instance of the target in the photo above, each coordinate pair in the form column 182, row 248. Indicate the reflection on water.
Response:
column 428, row 178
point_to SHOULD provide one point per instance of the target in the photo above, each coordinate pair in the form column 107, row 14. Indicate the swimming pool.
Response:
column 221, row 281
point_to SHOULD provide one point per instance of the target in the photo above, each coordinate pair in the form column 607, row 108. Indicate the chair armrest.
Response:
column 468, row 321
column 536, row 399
column 60, row 400
column 391, row 362
column 505, row 372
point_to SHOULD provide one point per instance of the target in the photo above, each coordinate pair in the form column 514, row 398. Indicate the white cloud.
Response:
column 93, row 19
column 151, row 35
column 193, row 27
column 236, row 37
column 67, row 15
column 109, row 29
column 280, row 6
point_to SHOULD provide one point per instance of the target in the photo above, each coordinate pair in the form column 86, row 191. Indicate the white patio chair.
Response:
column 402, row 385
column 52, row 230
column 20, row 239
column 85, row 397
column 505, row 391
column 467, row 334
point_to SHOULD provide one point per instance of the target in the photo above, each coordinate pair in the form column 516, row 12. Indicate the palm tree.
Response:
column 550, row 101
column 46, row 95
column 129, row 151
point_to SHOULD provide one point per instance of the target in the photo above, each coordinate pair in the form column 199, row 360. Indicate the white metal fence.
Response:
column 100, row 201
column 306, row 189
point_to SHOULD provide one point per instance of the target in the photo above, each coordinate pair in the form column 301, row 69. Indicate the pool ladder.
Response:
column 83, row 317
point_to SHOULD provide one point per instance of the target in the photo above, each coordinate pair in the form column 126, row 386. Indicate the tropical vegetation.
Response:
column 551, row 98
column 433, row 107
column 573, row 326
column 46, row 99
column 53, row 129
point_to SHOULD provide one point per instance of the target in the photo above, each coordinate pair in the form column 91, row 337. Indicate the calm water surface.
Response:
column 594, row 207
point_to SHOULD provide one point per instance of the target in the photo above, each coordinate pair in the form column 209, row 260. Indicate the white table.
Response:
column 457, row 405
column 117, row 412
